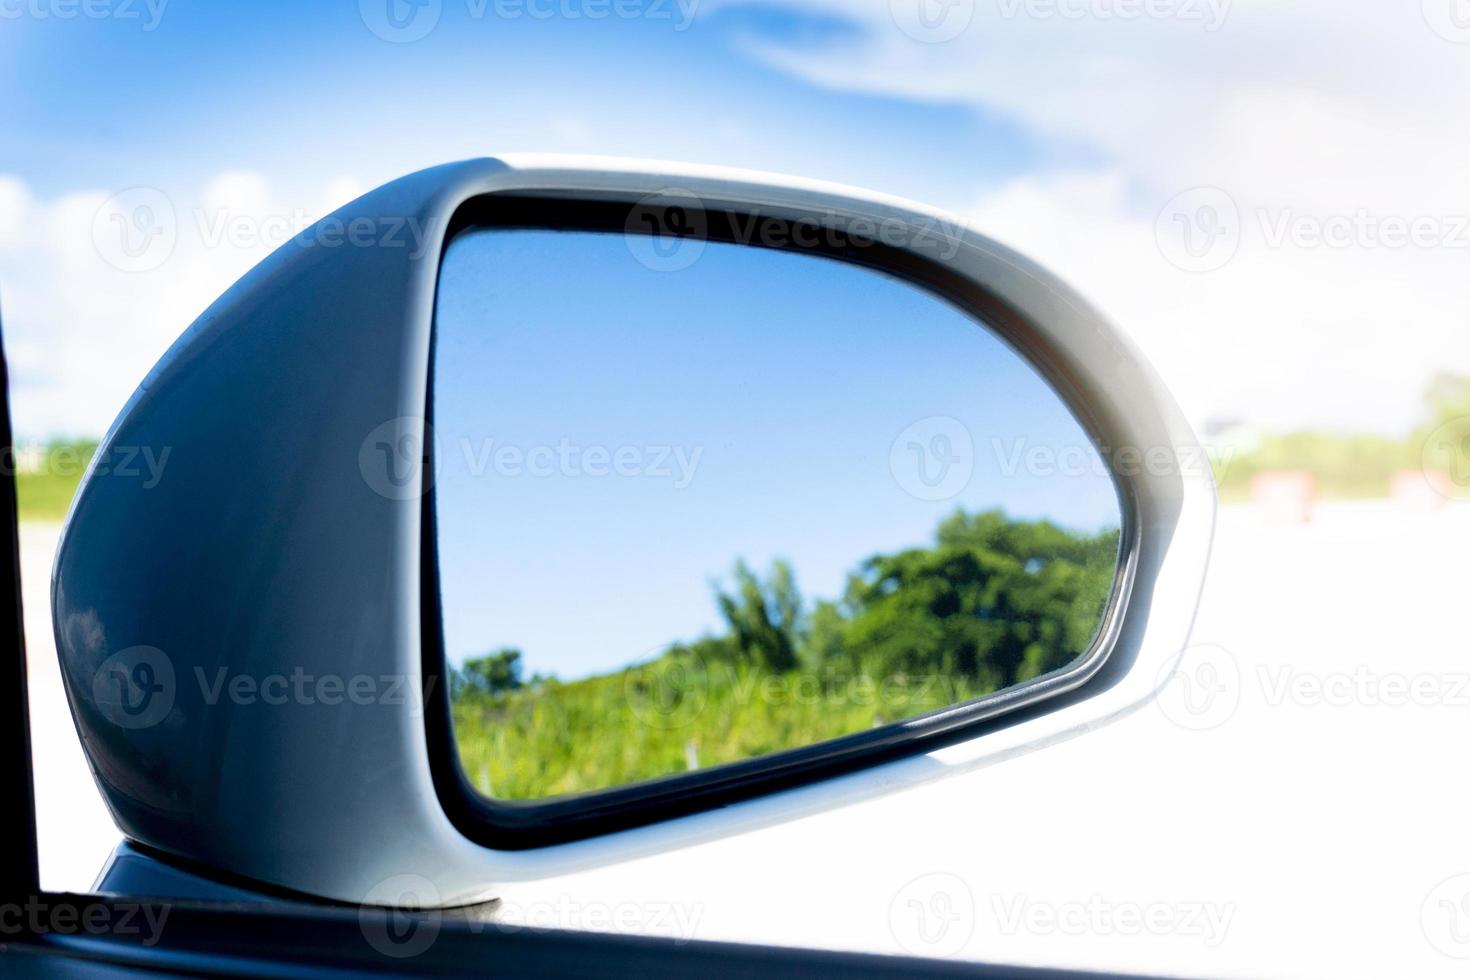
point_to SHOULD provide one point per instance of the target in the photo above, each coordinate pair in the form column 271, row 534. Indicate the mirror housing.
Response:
column 276, row 556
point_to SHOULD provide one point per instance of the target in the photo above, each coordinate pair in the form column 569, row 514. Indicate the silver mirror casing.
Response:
column 274, row 548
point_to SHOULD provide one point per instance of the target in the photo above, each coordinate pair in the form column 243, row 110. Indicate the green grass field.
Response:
column 657, row 719
column 45, row 492
column 44, row 496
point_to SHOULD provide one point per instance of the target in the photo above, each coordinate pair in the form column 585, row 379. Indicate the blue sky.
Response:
column 1078, row 137
column 758, row 398
column 305, row 91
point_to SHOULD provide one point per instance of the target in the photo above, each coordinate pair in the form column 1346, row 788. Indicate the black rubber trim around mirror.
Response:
column 508, row 825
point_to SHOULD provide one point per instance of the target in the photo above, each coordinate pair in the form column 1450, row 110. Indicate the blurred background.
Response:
column 1270, row 199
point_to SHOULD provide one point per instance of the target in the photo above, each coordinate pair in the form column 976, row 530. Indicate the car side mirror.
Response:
column 516, row 510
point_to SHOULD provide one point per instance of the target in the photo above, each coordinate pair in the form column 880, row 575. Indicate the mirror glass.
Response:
column 698, row 512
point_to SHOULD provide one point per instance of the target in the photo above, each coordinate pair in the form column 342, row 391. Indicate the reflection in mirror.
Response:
column 769, row 499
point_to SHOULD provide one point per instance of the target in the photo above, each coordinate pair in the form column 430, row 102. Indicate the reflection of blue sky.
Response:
column 781, row 381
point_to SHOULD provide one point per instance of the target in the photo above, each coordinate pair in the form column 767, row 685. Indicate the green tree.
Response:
column 495, row 673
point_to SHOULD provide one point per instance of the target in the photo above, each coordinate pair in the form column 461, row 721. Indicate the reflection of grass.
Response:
column 993, row 602
column 655, row 719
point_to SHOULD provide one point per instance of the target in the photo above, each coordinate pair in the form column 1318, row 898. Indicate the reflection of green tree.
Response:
column 764, row 618
column 993, row 602
column 998, row 601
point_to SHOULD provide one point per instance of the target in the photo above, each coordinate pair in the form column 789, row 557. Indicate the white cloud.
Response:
column 1320, row 110
column 342, row 189
column 241, row 192
column 1279, row 335
column 90, row 303
column 14, row 208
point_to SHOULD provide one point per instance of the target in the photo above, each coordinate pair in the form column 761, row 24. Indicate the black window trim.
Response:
column 19, row 874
